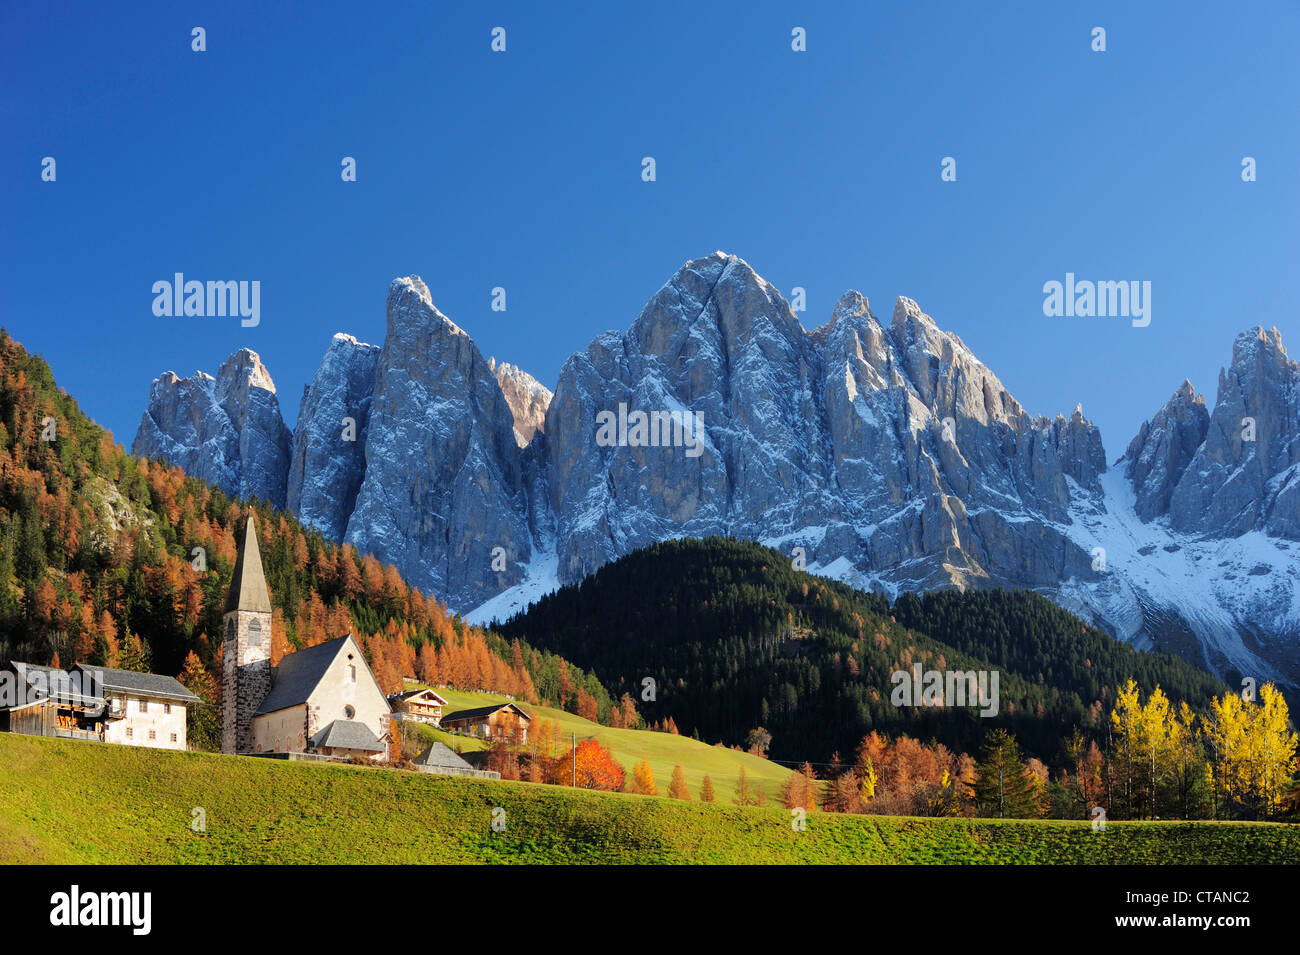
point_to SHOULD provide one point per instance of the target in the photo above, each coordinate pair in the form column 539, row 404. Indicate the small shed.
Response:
column 440, row 760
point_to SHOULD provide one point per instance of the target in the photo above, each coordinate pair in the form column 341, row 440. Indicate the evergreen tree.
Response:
column 1002, row 787
column 724, row 617
column 202, row 720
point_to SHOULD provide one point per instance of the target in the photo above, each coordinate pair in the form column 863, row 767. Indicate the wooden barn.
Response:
column 43, row 701
column 502, row 721
column 94, row 703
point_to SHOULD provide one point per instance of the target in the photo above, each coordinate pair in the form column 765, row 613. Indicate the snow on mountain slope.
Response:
column 1239, row 596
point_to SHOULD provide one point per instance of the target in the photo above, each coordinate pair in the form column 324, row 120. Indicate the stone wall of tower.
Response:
column 245, row 677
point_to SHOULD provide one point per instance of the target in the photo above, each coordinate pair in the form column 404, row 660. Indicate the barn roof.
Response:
column 482, row 711
column 349, row 734
column 47, row 683
column 442, row 756
column 298, row 675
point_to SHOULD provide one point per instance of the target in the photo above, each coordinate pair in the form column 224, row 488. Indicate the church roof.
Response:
column 298, row 674
column 248, row 588
column 442, row 756
column 349, row 734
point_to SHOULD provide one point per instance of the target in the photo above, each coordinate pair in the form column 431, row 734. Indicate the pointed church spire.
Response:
column 248, row 588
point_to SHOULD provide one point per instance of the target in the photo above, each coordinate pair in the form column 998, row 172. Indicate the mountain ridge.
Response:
column 886, row 452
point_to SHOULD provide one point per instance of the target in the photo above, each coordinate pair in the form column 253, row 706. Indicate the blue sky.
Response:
column 522, row 170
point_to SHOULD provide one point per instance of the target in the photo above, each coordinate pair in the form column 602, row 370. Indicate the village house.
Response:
column 95, row 703
column 505, row 721
column 418, row 706
column 322, row 701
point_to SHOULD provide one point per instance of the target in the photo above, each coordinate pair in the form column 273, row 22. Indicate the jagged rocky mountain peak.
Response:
column 851, row 303
column 226, row 429
column 409, row 285
column 1259, row 341
column 241, row 371
column 908, row 317
column 1164, row 446
column 411, row 308
column 1245, row 475
column 719, row 298
column 343, row 339
column 887, row 451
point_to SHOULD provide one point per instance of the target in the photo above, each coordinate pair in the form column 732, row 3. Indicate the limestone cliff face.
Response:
column 891, row 448
column 882, row 452
column 527, row 397
column 329, row 442
column 443, row 486
column 1159, row 454
column 1245, row 475
column 226, row 430
column 716, row 341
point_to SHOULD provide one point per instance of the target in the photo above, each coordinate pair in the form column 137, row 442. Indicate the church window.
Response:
column 349, row 712
column 230, row 629
column 353, row 671
column 254, row 633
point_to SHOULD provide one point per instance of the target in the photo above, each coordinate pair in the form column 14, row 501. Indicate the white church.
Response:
column 320, row 702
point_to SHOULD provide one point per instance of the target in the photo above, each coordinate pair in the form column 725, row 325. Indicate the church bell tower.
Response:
column 246, row 646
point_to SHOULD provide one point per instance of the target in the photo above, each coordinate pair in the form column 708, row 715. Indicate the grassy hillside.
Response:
column 70, row 802
column 661, row 750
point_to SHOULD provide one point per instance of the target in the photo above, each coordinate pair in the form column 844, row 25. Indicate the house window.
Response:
column 173, row 737
column 130, row 733
column 153, row 734
column 167, row 708
column 144, row 706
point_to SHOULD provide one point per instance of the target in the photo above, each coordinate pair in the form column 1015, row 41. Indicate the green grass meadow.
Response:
column 661, row 750
column 63, row 801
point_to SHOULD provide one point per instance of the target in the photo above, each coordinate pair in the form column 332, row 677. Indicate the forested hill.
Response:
column 111, row 559
column 736, row 638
